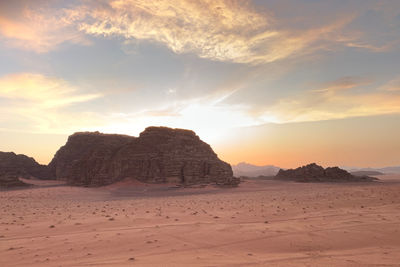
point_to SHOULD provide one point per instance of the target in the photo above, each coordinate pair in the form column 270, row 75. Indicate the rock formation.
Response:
column 22, row 166
column 316, row 173
column 13, row 166
column 158, row 155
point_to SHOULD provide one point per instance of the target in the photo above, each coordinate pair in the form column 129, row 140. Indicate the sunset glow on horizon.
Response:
column 266, row 82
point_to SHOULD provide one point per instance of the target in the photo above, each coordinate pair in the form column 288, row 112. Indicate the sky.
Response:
column 265, row 82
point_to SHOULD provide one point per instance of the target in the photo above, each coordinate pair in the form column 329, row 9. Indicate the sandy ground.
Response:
column 260, row 223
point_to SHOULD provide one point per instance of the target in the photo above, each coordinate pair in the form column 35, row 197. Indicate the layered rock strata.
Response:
column 158, row 155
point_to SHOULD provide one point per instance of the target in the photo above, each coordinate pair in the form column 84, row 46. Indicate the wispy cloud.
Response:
column 392, row 85
column 218, row 30
column 342, row 83
column 38, row 100
column 332, row 102
column 39, row 29
column 222, row 30
column 374, row 48
column 46, row 92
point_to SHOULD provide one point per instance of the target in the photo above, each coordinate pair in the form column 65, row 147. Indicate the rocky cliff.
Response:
column 13, row 166
column 21, row 165
column 158, row 155
column 316, row 173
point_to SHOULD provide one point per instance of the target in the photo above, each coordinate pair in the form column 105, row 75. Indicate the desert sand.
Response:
column 259, row 223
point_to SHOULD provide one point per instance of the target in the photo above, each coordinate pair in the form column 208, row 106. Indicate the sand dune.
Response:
column 260, row 223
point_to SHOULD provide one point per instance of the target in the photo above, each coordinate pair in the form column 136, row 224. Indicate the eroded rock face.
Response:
column 86, row 157
column 21, row 165
column 13, row 166
column 158, row 155
column 316, row 173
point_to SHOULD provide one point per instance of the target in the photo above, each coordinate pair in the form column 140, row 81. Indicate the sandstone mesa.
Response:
column 158, row 155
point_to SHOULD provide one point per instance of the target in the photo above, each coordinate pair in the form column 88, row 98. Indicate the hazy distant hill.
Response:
column 385, row 170
column 249, row 170
column 395, row 169
column 366, row 173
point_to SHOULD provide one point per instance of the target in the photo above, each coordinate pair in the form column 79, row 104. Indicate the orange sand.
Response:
column 260, row 223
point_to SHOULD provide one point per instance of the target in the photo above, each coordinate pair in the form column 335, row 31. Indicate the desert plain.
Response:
column 262, row 222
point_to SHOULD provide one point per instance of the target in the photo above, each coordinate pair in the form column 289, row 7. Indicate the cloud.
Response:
column 39, row 29
column 391, row 86
column 332, row 102
column 342, row 83
column 221, row 30
column 209, row 115
column 374, row 48
column 46, row 92
column 38, row 100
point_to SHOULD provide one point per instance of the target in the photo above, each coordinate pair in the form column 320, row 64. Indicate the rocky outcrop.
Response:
column 158, row 155
column 22, row 166
column 316, row 173
column 13, row 166
column 86, row 157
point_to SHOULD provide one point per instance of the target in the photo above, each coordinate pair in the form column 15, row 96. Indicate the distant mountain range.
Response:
column 249, row 170
column 385, row 170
